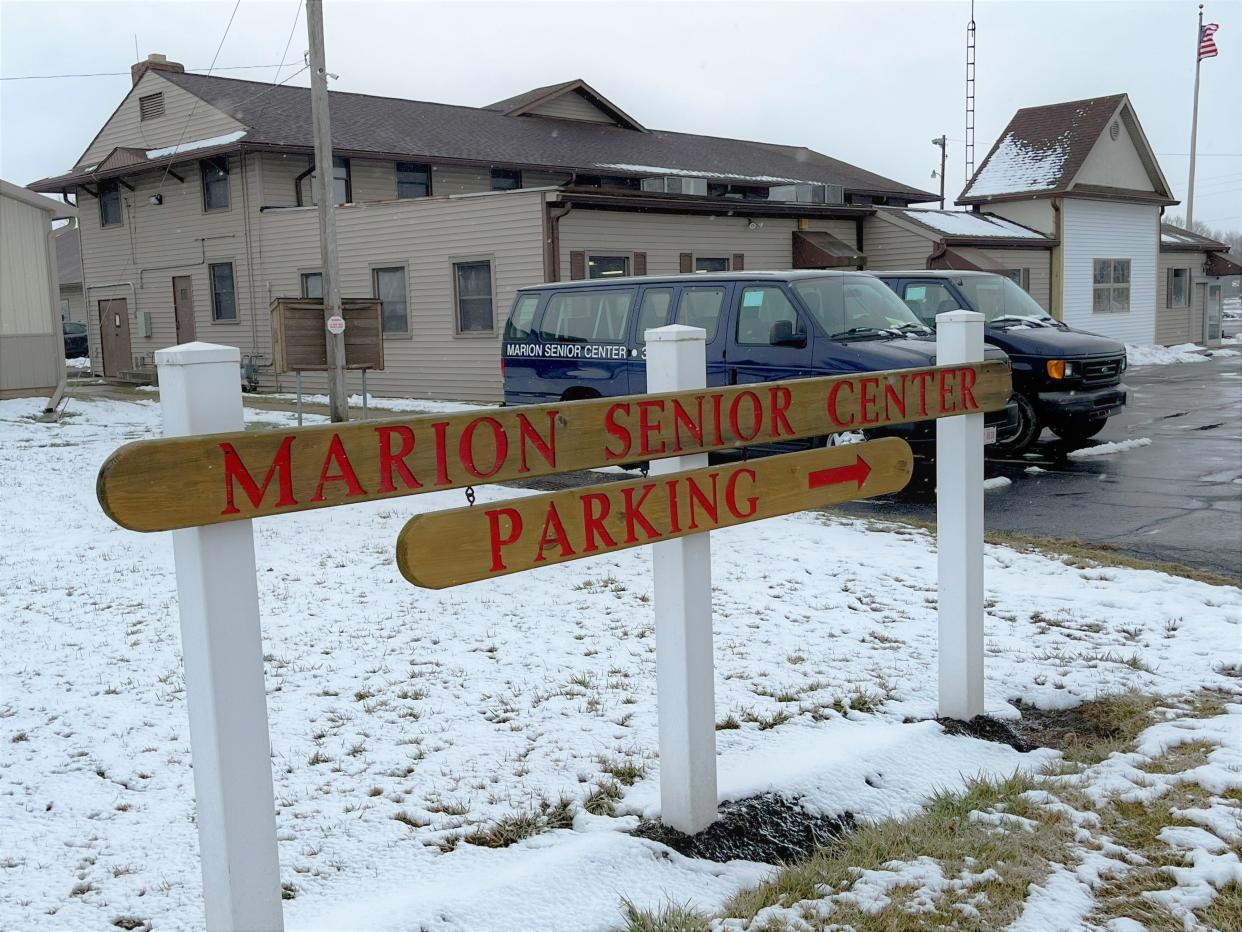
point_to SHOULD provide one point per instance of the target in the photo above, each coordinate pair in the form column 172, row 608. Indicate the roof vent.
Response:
column 1114, row 131
column 150, row 106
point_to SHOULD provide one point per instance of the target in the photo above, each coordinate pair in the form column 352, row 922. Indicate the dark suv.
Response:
column 75, row 340
column 1064, row 379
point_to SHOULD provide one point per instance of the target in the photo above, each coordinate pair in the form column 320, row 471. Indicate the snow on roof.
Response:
column 1179, row 239
column 1016, row 165
column 657, row 170
column 196, row 144
column 961, row 223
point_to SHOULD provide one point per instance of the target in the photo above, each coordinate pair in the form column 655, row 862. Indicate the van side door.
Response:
column 769, row 339
column 583, row 335
column 655, row 309
column 705, row 306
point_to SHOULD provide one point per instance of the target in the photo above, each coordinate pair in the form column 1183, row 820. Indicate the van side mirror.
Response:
column 782, row 334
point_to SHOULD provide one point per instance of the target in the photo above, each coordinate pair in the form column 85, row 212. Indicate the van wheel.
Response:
column 579, row 394
column 1029, row 428
column 1078, row 431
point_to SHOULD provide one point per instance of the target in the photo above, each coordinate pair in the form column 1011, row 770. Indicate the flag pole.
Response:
column 1194, row 127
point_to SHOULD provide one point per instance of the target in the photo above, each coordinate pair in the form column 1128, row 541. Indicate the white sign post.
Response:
column 959, row 529
column 217, row 589
column 682, row 575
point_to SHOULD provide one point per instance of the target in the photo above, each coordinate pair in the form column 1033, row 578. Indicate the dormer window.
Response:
column 150, row 106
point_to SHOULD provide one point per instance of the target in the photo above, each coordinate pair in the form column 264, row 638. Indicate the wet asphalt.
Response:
column 1178, row 499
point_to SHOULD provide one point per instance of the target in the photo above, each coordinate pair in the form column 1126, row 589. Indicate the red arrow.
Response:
column 858, row 472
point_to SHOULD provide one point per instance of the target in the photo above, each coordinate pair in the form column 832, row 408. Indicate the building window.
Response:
column 472, row 288
column 413, row 180
column 109, row 204
column 708, row 264
column 342, row 185
column 223, row 294
column 506, row 179
column 64, row 309
column 1178, row 289
column 1020, row 277
column 1111, row 286
column 215, row 175
column 607, row 266
column 150, row 106
column 312, row 285
column 389, row 287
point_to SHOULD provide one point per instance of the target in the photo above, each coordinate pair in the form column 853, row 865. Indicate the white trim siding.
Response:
column 1097, row 229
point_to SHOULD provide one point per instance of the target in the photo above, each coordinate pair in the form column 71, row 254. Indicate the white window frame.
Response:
column 455, row 261
column 609, row 254
column 1111, row 285
column 1168, row 287
column 694, row 261
column 407, row 333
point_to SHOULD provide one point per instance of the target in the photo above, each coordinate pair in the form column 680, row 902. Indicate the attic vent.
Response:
column 808, row 193
column 151, row 106
column 1114, row 131
column 676, row 184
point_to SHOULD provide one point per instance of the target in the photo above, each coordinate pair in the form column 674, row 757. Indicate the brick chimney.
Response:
column 155, row 62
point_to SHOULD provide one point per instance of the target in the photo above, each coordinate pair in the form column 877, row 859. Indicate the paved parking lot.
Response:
column 1177, row 499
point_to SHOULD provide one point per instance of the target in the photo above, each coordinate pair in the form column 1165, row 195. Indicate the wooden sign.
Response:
column 159, row 485
column 298, row 328
column 448, row 548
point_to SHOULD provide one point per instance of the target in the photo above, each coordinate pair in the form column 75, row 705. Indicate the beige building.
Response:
column 196, row 212
column 68, row 242
column 1191, row 275
column 32, row 356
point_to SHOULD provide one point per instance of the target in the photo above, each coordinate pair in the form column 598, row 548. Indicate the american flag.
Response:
column 1207, row 45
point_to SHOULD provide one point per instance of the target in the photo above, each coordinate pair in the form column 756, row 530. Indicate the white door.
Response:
column 1211, row 315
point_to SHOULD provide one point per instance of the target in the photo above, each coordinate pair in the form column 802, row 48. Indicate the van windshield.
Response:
column 999, row 299
column 856, row 306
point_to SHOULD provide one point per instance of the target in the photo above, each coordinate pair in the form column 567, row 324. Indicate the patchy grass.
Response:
column 669, row 918
column 514, row 828
column 1090, row 731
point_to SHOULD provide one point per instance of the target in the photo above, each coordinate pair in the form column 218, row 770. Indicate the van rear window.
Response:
column 522, row 317
column 588, row 316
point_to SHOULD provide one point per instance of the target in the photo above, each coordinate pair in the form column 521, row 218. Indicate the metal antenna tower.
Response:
column 970, row 95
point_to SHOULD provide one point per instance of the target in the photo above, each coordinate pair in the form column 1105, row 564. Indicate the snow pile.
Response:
column 963, row 223
column 81, row 362
column 998, row 482
column 1104, row 449
column 178, row 149
column 401, row 718
column 1018, row 166
column 1222, row 353
column 404, row 405
column 1144, row 355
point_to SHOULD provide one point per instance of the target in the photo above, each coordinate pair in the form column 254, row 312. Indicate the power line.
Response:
column 114, row 74
column 292, row 28
column 190, row 115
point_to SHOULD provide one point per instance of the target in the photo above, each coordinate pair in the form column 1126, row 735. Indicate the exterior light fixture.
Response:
column 155, row 200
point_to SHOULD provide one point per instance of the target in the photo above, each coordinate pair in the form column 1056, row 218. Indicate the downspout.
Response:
column 58, row 342
column 858, row 241
column 552, row 241
column 1056, row 264
column 297, row 182
column 254, row 323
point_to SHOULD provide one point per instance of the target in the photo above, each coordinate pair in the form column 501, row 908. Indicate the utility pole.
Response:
column 942, row 142
column 1194, row 126
column 969, row 149
column 338, row 400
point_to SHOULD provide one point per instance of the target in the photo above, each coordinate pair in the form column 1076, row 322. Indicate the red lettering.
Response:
column 673, row 517
column 528, row 434
column 390, row 460
column 968, row 377
column 493, row 533
column 833, row 415
column 717, row 420
column 756, row 407
column 234, row 468
column 345, row 471
column 710, row 507
column 634, row 514
column 617, row 430
column 593, row 523
column 870, row 386
column 946, row 390
column 465, row 447
column 553, row 533
column 646, row 428
column 781, row 398
column 923, row 378
column 894, row 398
column 731, row 494
column 682, row 417
column 441, row 429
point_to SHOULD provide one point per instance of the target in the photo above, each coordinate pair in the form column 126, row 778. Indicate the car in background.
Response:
column 76, row 344
column 1231, row 323
column 1064, row 379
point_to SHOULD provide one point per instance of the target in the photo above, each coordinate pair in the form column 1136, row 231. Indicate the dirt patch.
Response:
column 989, row 729
column 767, row 828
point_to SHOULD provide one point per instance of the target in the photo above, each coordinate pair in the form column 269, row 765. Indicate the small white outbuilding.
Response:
column 32, row 350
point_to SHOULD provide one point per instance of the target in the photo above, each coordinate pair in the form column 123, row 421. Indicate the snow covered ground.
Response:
column 1145, row 355
column 402, row 718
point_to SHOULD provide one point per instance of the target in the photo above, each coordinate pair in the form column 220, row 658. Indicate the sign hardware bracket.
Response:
column 470, row 495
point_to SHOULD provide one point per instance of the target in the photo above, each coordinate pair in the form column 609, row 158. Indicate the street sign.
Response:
column 157, row 485
column 336, row 324
column 448, row 548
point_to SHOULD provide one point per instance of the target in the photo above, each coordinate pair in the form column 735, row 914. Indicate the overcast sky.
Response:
column 871, row 83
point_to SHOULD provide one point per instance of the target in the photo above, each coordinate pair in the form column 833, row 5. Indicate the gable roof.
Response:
column 363, row 125
column 1043, row 148
column 527, row 103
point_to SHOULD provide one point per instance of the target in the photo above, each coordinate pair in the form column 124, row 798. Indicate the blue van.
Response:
column 584, row 339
